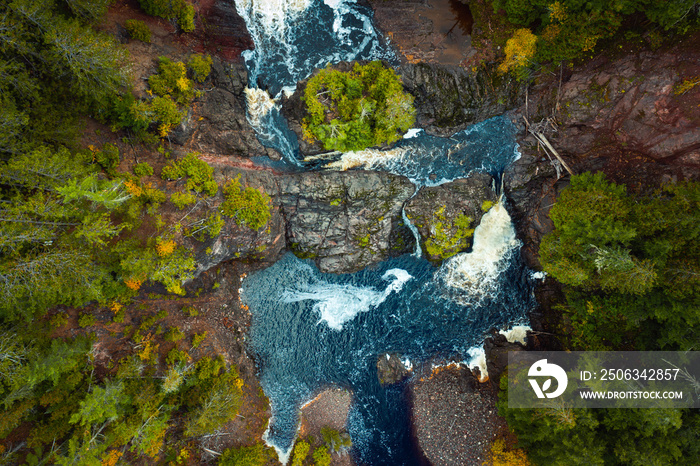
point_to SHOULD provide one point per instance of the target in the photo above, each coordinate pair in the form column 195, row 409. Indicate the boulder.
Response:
column 453, row 417
column 390, row 369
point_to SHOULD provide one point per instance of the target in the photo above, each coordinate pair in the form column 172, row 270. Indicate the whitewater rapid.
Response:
column 337, row 304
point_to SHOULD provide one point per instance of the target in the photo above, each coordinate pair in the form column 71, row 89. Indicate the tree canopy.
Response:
column 631, row 264
column 357, row 109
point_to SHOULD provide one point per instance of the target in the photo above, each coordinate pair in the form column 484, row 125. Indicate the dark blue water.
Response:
column 288, row 51
column 311, row 330
column 487, row 146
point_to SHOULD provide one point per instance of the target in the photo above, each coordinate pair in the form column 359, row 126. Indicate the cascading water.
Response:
column 311, row 330
column 472, row 276
column 292, row 38
column 416, row 236
column 263, row 114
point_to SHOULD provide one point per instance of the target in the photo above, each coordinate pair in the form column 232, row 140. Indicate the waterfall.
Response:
column 407, row 221
column 517, row 333
column 368, row 159
column 310, row 330
column 470, row 276
column 263, row 114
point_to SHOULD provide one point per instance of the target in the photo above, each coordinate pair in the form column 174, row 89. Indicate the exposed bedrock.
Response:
column 218, row 122
column 223, row 31
column 450, row 98
column 345, row 221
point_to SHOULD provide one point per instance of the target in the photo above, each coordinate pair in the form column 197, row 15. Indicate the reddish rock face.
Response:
column 635, row 101
column 224, row 32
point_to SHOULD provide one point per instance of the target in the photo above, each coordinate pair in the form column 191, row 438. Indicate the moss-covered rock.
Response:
column 446, row 215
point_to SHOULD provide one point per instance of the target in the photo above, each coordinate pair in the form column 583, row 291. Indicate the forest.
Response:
column 87, row 244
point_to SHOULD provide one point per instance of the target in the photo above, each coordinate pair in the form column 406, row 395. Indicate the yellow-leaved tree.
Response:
column 519, row 50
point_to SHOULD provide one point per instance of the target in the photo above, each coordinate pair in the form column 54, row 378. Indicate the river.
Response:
column 311, row 330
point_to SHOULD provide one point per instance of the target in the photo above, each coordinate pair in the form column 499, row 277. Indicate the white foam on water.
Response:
column 407, row 364
column 367, row 158
column 538, row 275
column 412, row 133
column 271, row 15
column 478, row 360
column 259, row 104
column 474, row 273
column 340, row 303
column 282, row 455
column 416, row 235
column 516, row 334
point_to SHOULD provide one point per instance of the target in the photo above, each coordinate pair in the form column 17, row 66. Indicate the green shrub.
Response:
column 174, row 335
column 138, row 30
column 199, row 174
column 185, row 16
column 255, row 455
column 246, row 206
column 108, row 157
column 151, row 195
column 182, row 200
column 190, row 311
column 59, row 320
column 166, row 113
column 210, row 226
column 301, row 451
column 86, row 320
column 336, row 441
column 143, row 169
column 217, row 405
column 200, row 66
column 357, row 109
column 322, row 457
column 128, row 112
column 171, row 80
column 119, row 316
column 198, row 339
column 177, row 357
column 448, row 237
column 171, row 9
